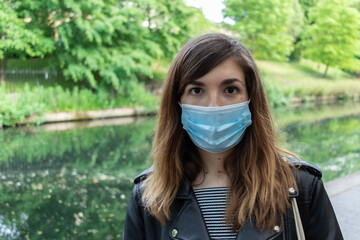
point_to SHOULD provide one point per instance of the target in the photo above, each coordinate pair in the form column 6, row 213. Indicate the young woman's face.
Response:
column 223, row 85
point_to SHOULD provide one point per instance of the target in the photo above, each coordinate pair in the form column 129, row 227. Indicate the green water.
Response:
column 75, row 184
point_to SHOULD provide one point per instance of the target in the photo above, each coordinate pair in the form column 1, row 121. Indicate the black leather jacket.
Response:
column 317, row 215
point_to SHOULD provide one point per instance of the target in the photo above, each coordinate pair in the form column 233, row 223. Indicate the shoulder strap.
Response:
column 142, row 176
column 309, row 167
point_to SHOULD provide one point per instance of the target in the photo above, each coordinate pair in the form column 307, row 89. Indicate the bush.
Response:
column 36, row 101
column 276, row 95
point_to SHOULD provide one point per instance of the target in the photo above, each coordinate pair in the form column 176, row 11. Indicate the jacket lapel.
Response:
column 188, row 223
column 250, row 231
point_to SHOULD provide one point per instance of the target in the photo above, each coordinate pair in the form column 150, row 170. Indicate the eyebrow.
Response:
column 196, row 83
column 232, row 80
column 223, row 82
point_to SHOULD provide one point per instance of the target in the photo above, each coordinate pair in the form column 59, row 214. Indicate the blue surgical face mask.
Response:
column 216, row 129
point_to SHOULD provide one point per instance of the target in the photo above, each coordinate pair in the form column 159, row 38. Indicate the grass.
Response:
column 36, row 101
column 304, row 80
column 285, row 82
column 301, row 69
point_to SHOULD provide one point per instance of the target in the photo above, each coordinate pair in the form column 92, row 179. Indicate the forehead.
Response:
column 228, row 69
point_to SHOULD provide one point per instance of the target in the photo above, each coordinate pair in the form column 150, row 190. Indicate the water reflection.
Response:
column 332, row 144
column 74, row 183
column 327, row 136
column 65, row 204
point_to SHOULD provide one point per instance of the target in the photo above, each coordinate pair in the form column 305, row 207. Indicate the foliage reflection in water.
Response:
column 70, row 184
column 332, row 144
column 76, row 184
column 327, row 136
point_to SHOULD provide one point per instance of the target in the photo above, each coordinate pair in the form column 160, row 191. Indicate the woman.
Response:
column 218, row 171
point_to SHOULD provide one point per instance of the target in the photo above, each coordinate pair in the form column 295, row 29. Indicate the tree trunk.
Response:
column 2, row 70
column 2, row 63
column 326, row 70
column 253, row 42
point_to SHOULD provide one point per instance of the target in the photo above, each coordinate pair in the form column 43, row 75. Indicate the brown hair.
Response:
column 260, row 177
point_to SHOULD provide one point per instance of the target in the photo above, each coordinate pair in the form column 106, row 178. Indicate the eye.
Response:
column 231, row 90
column 196, row 91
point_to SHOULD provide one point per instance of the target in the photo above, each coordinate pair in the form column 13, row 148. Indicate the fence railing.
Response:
column 26, row 73
column 15, row 79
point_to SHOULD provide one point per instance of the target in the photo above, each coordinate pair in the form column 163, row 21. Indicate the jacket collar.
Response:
column 190, row 217
column 185, row 189
column 188, row 222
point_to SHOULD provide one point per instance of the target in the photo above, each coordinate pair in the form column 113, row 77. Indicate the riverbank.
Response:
column 69, row 116
column 282, row 116
column 293, row 84
column 290, row 85
column 86, row 115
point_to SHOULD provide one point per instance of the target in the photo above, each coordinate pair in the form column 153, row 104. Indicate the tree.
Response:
column 169, row 23
column 295, row 28
column 306, row 5
column 333, row 38
column 101, row 42
column 263, row 26
column 109, row 44
column 355, row 4
column 356, row 72
column 17, row 40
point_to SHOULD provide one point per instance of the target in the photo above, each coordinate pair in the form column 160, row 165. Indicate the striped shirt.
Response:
column 212, row 202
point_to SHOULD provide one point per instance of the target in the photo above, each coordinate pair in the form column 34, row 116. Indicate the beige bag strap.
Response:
column 299, row 227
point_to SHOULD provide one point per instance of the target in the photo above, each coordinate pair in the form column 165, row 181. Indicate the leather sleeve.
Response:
column 134, row 223
column 317, row 213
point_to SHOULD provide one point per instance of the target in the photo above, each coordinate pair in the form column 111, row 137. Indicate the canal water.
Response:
column 73, row 180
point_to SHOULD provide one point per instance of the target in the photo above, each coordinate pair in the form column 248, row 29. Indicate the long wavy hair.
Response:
column 259, row 174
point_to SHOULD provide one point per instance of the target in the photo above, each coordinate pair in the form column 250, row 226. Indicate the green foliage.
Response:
column 303, row 82
column 284, row 83
column 119, row 147
column 276, row 95
column 73, row 184
column 109, row 43
column 34, row 63
column 160, row 69
column 102, row 42
column 17, row 39
column 76, row 184
column 263, row 26
column 332, row 144
column 15, row 107
column 310, row 113
column 297, row 22
column 356, row 4
column 169, row 24
column 306, row 5
column 332, row 37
